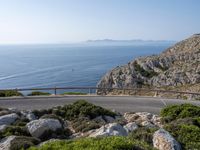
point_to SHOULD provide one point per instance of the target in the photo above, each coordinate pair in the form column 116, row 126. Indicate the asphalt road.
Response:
column 119, row 103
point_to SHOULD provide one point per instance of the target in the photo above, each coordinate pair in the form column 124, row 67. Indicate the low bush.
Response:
column 107, row 143
column 81, row 108
column 9, row 93
column 38, row 93
column 180, row 111
column 83, row 124
column 143, row 134
column 23, row 142
column 14, row 130
column 186, row 135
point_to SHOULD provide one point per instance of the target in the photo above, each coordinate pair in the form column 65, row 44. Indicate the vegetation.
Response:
column 107, row 143
column 74, row 93
column 143, row 134
column 183, row 122
column 81, row 108
column 22, row 142
column 174, row 112
column 9, row 93
column 38, row 93
column 143, row 72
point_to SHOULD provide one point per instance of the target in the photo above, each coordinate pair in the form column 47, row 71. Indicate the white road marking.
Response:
column 162, row 100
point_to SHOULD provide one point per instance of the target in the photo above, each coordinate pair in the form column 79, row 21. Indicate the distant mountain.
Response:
column 128, row 42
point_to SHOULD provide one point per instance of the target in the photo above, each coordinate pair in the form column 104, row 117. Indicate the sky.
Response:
column 66, row 21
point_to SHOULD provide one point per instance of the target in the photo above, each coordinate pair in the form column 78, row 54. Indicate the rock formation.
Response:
column 178, row 67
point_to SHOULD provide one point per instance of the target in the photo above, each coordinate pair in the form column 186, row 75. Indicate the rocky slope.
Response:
column 176, row 67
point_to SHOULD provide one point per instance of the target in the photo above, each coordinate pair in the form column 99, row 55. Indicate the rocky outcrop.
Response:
column 144, row 119
column 178, row 66
column 8, row 119
column 43, row 127
column 162, row 140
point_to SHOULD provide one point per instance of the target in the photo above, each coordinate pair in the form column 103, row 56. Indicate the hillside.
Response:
column 178, row 67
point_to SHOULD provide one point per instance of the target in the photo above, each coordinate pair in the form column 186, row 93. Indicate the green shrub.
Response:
column 143, row 134
column 107, row 143
column 83, row 124
column 14, row 130
column 9, row 93
column 180, row 111
column 74, row 93
column 38, row 93
column 39, row 113
column 23, row 142
column 187, row 135
column 82, row 108
column 143, row 72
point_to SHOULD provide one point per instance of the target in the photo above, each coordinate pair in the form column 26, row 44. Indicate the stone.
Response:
column 29, row 115
column 3, row 127
column 109, row 119
column 131, row 127
column 143, row 119
column 37, row 128
column 162, row 140
column 111, row 129
column 8, row 119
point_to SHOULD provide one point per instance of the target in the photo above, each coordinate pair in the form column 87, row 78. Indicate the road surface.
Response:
column 118, row 103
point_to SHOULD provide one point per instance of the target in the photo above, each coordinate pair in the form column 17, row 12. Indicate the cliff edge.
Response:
column 178, row 67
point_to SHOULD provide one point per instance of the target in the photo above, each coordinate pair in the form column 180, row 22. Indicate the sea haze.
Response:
column 28, row 66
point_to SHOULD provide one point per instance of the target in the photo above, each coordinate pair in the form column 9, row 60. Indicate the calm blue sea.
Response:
column 64, row 65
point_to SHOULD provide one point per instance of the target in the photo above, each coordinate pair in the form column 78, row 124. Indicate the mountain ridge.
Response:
column 177, row 67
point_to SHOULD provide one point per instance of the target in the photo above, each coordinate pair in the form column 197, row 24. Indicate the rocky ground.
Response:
column 22, row 129
column 177, row 68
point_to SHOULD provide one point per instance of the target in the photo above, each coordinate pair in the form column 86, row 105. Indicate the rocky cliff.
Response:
column 178, row 67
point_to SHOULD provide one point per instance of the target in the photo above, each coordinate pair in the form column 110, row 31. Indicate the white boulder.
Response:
column 110, row 129
column 8, row 119
column 38, row 127
column 131, row 127
column 162, row 140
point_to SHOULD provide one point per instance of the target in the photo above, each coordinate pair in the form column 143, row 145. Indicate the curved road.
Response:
column 119, row 103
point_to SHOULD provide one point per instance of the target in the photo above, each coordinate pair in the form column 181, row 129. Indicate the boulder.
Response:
column 43, row 128
column 111, row 129
column 3, row 127
column 17, row 142
column 29, row 115
column 109, row 119
column 8, row 119
column 162, row 140
column 130, row 127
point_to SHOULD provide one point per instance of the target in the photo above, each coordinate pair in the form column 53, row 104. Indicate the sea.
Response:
column 63, row 65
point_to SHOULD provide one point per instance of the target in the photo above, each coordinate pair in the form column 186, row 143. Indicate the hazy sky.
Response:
column 55, row 21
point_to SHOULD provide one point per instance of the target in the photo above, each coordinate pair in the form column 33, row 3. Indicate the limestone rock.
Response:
column 109, row 130
column 38, row 128
column 131, row 127
column 8, row 119
column 143, row 119
column 162, row 140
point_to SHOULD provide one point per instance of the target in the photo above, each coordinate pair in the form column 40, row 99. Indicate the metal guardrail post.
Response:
column 55, row 92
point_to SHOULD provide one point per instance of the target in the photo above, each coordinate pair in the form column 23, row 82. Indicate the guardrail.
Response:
column 55, row 89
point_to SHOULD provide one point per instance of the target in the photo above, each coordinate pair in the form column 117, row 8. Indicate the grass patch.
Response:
column 107, row 143
column 38, row 93
column 74, row 93
column 9, row 93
